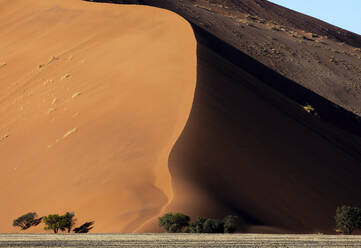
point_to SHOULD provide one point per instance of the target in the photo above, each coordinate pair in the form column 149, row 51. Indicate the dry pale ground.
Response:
column 92, row 99
column 180, row 240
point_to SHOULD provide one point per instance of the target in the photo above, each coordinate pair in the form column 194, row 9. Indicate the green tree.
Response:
column 27, row 220
column 174, row 222
column 53, row 222
column 348, row 219
column 67, row 222
column 197, row 225
column 230, row 223
column 213, row 226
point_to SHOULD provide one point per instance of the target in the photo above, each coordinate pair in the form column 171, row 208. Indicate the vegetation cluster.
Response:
column 53, row 222
column 181, row 223
column 347, row 219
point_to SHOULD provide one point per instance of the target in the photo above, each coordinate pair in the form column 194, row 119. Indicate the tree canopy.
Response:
column 173, row 222
column 27, row 220
column 67, row 222
column 53, row 222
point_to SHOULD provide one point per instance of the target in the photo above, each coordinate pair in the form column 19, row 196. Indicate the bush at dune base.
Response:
column 53, row 222
column 27, row 220
column 347, row 219
column 179, row 222
column 213, row 226
column 174, row 222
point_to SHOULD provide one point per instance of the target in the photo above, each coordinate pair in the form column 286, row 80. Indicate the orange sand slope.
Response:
column 92, row 99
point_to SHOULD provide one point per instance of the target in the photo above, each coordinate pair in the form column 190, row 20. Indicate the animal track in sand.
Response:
column 75, row 95
column 65, row 76
column 51, row 110
column 2, row 64
column 67, row 134
column 2, row 138
column 51, row 60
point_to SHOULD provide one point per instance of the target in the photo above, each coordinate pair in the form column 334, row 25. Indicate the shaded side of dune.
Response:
column 248, row 150
column 298, row 90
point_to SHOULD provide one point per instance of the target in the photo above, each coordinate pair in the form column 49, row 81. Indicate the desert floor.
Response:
column 178, row 240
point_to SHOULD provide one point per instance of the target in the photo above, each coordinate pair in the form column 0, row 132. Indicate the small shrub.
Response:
column 348, row 219
column 230, row 223
column 27, row 220
column 173, row 222
column 310, row 109
column 67, row 222
column 197, row 225
column 52, row 222
column 213, row 226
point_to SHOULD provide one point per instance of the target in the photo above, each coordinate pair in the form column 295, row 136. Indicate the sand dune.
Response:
column 92, row 99
column 97, row 117
column 249, row 148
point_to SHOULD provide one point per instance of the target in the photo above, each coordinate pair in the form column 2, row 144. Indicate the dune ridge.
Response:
column 249, row 147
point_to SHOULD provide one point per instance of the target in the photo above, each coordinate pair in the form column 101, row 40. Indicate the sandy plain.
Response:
column 179, row 240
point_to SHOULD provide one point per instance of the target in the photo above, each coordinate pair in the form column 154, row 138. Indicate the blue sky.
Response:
column 342, row 13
